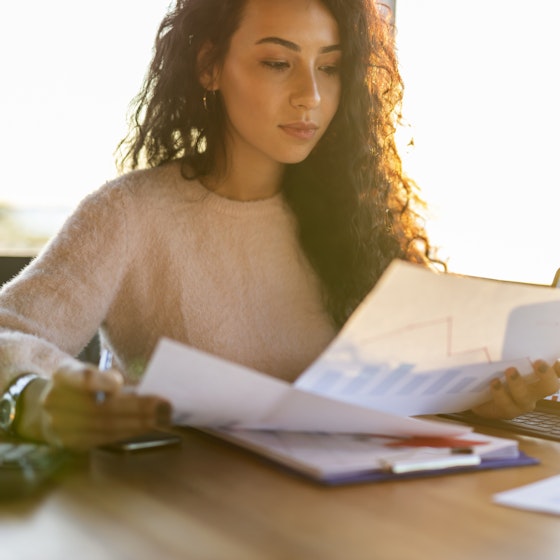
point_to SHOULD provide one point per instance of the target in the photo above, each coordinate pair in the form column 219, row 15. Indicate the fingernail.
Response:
column 543, row 368
column 496, row 384
column 513, row 375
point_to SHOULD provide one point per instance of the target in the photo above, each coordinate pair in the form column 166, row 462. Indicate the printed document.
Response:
column 420, row 343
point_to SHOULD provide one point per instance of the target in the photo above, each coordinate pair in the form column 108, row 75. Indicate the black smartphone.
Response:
column 144, row 442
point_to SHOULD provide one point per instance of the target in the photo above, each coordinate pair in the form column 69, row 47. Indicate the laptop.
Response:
column 543, row 422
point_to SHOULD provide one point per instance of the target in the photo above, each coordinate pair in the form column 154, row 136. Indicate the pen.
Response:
column 439, row 462
column 105, row 360
column 105, row 363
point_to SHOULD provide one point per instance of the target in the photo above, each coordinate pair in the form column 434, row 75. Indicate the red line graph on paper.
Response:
column 445, row 322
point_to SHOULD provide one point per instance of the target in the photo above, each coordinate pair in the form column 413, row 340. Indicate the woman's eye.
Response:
column 275, row 64
column 331, row 70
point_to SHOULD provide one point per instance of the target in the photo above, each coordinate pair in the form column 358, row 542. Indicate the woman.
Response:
column 271, row 201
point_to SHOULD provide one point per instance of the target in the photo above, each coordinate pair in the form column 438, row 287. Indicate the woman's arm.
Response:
column 64, row 294
column 49, row 313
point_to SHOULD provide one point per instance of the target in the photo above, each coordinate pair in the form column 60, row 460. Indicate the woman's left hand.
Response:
column 517, row 396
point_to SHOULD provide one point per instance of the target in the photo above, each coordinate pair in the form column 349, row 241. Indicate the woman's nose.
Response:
column 305, row 93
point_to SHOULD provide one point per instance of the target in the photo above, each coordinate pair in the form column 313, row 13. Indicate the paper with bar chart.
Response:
column 428, row 343
column 420, row 343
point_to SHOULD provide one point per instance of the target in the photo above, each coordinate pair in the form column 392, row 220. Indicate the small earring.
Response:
column 205, row 98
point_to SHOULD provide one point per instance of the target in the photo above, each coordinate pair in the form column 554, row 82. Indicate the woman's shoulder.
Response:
column 164, row 190
column 144, row 191
column 152, row 183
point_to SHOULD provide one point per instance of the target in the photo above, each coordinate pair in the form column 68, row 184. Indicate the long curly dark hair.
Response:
column 355, row 208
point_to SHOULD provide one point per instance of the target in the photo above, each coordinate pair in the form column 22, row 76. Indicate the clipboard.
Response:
column 335, row 459
column 522, row 460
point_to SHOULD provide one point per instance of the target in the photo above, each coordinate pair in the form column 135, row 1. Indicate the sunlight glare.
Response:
column 481, row 99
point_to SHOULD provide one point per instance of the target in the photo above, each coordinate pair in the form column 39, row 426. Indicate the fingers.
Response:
column 82, row 431
column 502, row 404
column 71, row 415
column 87, row 377
column 520, row 395
column 548, row 382
column 517, row 396
column 72, row 418
column 75, row 388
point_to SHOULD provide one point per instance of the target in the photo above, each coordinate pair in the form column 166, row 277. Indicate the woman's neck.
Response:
column 245, row 182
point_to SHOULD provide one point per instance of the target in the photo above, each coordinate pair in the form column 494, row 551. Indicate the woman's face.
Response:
column 280, row 81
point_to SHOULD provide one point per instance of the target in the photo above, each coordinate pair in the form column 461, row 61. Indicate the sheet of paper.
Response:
column 542, row 496
column 421, row 317
column 425, row 343
column 421, row 343
column 207, row 391
column 406, row 388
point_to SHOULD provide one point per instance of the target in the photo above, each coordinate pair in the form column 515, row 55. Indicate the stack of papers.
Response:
column 344, row 458
column 206, row 391
column 329, row 440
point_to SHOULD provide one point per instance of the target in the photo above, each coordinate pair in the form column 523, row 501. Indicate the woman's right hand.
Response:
column 66, row 410
column 517, row 396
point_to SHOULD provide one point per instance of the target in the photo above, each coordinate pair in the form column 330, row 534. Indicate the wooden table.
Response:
column 210, row 500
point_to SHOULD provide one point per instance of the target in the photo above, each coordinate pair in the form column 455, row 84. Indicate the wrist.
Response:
column 29, row 424
column 19, row 403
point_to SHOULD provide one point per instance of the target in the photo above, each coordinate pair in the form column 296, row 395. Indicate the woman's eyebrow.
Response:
column 293, row 46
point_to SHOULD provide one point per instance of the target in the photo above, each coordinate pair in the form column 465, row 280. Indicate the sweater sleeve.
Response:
column 51, row 310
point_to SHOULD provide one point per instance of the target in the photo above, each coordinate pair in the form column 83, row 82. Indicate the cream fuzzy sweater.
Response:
column 151, row 254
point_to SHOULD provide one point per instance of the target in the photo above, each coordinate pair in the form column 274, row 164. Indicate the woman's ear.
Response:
column 207, row 68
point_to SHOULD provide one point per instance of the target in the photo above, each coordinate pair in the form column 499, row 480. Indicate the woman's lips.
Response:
column 303, row 131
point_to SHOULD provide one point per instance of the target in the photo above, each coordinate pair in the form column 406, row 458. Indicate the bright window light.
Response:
column 482, row 101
